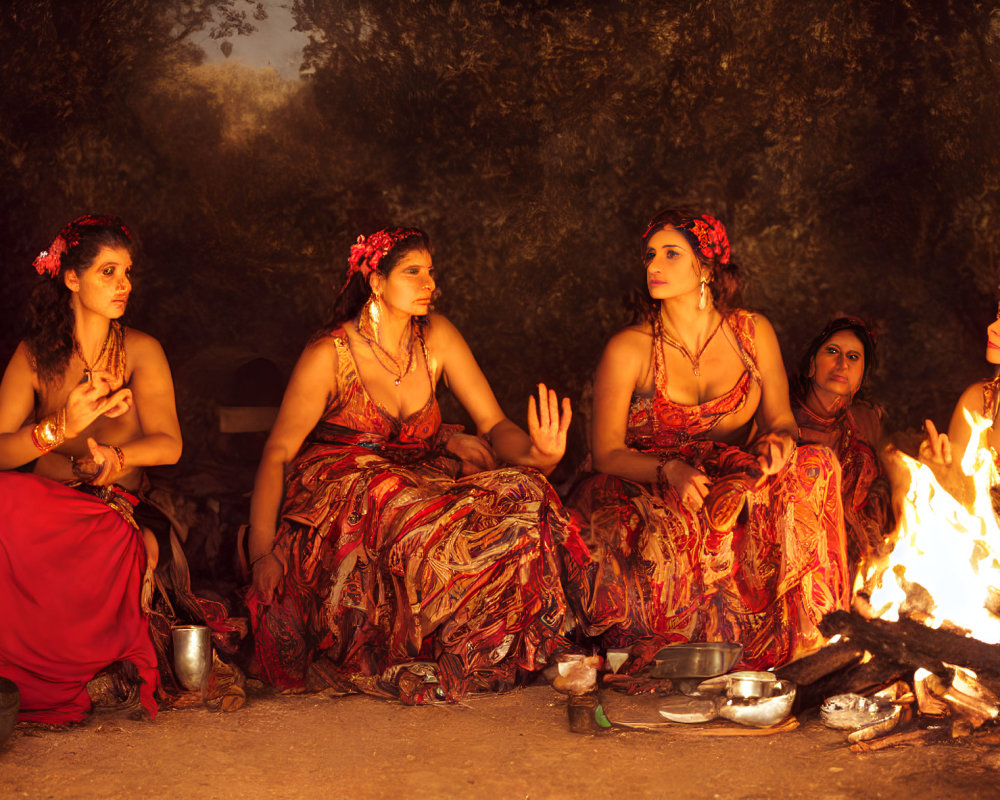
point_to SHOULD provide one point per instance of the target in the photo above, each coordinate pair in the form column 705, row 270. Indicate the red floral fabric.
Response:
column 392, row 557
column 660, row 573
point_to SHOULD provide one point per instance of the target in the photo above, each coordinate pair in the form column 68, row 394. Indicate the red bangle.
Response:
column 119, row 455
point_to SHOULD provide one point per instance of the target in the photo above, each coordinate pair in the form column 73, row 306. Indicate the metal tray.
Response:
column 695, row 659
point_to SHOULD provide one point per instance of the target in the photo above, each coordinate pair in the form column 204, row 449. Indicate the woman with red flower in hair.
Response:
column 704, row 520
column 380, row 539
column 85, row 404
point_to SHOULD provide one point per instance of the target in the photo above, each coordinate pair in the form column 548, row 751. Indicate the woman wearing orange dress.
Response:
column 379, row 537
column 705, row 522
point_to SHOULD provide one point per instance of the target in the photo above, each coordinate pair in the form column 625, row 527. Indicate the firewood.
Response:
column 857, row 679
column 811, row 668
column 916, row 645
column 917, row 738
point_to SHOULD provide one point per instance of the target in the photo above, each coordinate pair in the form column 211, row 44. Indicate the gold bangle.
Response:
column 50, row 432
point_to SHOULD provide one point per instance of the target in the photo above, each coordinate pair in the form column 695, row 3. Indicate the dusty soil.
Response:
column 516, row 745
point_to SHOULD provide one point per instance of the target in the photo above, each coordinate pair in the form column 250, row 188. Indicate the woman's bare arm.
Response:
column 312, row 386
column 775, row 420
column 543, row 447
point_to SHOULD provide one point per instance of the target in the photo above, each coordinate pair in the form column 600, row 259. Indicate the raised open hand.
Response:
column 936, row 448
column 547, row 427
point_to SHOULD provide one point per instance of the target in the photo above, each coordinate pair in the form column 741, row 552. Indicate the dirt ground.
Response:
column 516, row 745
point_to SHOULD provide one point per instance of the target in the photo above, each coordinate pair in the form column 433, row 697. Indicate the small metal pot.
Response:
column 192, row 655
column 751, row 685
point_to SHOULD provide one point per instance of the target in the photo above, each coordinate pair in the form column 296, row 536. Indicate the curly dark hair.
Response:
column 857, row 326
column 726, row 281
column 49, row 336
column 355, row 293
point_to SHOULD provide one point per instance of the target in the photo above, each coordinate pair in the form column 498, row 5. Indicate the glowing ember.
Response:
column 944, row 567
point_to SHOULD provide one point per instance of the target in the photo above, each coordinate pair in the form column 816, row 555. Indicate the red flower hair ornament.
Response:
column 49, row 262
column 712, row 239
column 368, row 251
column 710, row 233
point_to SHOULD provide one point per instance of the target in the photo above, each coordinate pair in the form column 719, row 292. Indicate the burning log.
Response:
column 856, row 679
column 915, row 645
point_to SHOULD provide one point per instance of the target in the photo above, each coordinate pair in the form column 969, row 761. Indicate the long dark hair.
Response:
column 49, row 336
column 725, row 281
column 356, row 291
column 857, row 326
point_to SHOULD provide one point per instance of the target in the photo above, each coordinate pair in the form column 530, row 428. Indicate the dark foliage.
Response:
column 849, row 146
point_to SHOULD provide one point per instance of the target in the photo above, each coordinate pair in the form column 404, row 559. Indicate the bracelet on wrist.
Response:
column 50, row 432
column 119, row 455
column 261, row 558
column 661, row 479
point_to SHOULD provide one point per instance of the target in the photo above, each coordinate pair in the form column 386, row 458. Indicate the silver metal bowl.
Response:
column 695, row 659
column 192, row 655
column 762, row 712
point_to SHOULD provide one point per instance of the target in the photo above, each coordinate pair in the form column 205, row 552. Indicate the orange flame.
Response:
column 945, row 560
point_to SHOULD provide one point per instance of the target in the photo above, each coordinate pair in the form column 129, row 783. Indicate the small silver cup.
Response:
column 192, row 656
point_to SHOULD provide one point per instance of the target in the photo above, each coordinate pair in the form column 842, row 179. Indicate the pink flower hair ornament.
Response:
column 368, row 251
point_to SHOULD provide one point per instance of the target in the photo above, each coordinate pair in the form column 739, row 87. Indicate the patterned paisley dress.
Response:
column 853, row 435
column 392, row 558
column 759, row 564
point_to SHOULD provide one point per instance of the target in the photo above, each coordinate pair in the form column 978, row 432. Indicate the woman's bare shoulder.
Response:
column 322, row 348
column 635, row 338
column 21, row 366
column 139, row 345
column 438, row 326
column 974, row 396
column 627, row 353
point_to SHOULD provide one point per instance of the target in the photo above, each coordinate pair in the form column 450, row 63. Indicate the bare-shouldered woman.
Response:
column 87, row 403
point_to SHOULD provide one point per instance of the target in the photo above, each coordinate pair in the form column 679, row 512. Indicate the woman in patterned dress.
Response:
column 828, row 411
column 378, row 536
column 704, row 520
